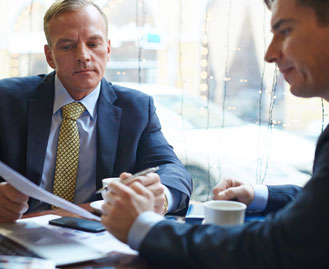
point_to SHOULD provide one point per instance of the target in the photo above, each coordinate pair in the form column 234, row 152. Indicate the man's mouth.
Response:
column 286, row 71
column 83, row 71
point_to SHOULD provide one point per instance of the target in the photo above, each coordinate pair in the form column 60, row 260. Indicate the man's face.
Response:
column 79, row 49
column 300, row 48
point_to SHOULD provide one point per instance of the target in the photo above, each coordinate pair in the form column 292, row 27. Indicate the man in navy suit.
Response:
column 295, row 232
column 119, row 130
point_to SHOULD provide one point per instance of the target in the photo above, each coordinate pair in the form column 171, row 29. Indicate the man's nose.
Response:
column 82, row 53
column 273, row 53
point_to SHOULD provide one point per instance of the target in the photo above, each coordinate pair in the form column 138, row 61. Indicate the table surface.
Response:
column 115, row 259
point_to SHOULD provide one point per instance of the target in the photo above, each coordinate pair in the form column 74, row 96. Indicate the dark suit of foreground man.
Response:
column 295, row 232
column 121, row 129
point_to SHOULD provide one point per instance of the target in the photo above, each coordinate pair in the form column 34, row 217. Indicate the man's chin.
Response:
column 302, row 91
column 85, row 84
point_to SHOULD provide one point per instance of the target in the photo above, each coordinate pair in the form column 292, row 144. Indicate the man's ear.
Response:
column 108, row 50
column 49, row 56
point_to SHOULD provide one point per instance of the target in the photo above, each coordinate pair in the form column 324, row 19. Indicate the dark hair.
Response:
column 321, row 8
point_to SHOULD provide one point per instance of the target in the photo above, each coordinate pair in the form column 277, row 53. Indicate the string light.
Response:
column 140, row 26
column 203, row 63
column 204, row 75
column 203, row 87
column 204, row 51
column 204, row 40
column 181, row 78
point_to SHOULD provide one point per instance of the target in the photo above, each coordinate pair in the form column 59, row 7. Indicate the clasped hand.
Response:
column 125, row 202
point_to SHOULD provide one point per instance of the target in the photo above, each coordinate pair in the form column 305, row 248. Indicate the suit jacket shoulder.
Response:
column 21, row 87
column 26, row 106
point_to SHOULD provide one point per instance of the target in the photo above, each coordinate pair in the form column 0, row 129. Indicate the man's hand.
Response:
column 153, row 183
column 230, row 189
column 123, row 205
column 13, row 203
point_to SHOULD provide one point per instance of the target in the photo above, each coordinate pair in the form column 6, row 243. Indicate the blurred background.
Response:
column 225, row 111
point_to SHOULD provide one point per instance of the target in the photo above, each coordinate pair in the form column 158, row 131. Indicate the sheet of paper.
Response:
column 103, row 241
column 29, row 188
column 195, row 210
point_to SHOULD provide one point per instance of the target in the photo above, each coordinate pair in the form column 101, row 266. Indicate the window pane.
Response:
column 225, row 111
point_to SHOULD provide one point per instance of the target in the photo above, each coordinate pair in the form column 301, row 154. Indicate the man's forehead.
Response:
column 282, row 10
column 87, row 14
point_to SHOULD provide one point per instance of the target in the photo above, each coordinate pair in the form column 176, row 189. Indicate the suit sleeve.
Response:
column 279, row 196
column 154, row 150
column 295, row 236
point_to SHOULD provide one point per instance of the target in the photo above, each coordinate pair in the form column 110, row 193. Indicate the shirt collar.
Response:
column 62, row 98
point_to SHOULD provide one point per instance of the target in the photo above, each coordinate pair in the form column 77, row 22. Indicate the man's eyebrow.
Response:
column 279, row 23
column 96, row 37
column 64, row 40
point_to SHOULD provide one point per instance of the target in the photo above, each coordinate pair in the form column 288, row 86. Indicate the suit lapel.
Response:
column 39, row 120
column 108, row 126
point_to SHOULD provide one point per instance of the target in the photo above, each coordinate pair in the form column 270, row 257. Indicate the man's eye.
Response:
column 93, row 45
column 66, row 47
column 285, row 31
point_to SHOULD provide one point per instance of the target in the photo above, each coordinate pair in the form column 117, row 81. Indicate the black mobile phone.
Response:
column 78, row 224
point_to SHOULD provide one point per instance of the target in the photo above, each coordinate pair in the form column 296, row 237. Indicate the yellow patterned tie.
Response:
column 67, row 158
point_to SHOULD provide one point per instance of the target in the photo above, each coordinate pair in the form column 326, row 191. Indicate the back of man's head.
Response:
column 321, row 8
column 60, row 6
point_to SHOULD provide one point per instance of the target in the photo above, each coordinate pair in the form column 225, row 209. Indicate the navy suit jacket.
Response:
column 129, row 136
column 295, row 233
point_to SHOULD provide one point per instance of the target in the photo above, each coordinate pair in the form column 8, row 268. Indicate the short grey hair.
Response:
column 60, row 6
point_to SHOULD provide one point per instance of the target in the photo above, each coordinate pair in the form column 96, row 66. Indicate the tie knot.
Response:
column 73, row 110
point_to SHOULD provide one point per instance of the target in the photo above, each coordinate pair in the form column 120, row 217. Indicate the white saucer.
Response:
column 97, row 205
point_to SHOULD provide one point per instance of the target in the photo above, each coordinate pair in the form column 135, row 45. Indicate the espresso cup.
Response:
column 224, row 213
column 106, row 182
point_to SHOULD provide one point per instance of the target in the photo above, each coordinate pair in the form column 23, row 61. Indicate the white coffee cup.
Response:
column 106, row 182
column 225, row 213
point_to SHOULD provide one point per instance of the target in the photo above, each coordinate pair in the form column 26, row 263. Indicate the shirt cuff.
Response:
column 173, row 197
column 260, row 200
column 141, row 226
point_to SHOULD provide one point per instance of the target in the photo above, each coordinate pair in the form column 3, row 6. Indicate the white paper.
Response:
column 29, row 188
column 195, row 210
column 102, row 241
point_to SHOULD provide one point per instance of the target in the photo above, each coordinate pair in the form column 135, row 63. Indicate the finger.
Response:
column 124, row 175
column 10, row 214
column 229, row 194
column 13, row 207
column 147, row 180
column 157, row 189
column 118, row 188
column 106, row 208
column 159, row 200
column 12, row 194
column 110, row 196
column 12, row 203
column 223, row 185
column 142, row 190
